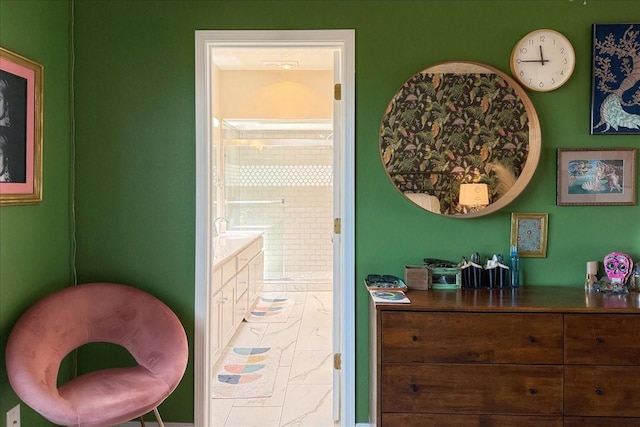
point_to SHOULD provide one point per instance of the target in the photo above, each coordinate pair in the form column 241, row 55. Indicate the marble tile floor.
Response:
column 303, row 390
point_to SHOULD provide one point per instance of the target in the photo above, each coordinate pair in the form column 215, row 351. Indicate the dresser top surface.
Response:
column 528, row 298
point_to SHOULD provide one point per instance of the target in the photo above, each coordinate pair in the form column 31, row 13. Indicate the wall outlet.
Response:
column 13, row 416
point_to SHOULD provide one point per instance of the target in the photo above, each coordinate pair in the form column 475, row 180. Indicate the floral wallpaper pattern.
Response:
column 444, row 129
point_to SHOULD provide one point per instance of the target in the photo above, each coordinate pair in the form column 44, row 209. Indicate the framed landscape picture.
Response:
column 20, row 129
column 597, row 176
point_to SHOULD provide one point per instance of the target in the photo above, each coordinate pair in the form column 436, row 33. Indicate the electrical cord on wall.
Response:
column 72, row 178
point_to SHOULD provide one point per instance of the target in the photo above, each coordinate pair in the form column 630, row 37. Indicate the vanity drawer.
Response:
column 258, row 245
column 245, row 256
column 472, row 389
column 602, row 391
column 242, row 281
column 602, row 339
column 249, row 253
column 228, row 270
column 216, row 280
column 471, row 337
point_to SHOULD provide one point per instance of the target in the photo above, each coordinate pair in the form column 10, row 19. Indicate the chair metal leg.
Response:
column 157, row 414
column 142, row 422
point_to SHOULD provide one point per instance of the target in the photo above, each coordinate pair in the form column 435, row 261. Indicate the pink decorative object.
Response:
column 618, row 266
column 96, row 312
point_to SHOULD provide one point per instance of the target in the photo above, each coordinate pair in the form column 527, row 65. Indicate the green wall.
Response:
column 136, row 144
column 34, row 240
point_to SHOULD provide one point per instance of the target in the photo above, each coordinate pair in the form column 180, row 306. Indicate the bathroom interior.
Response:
column 273, row 175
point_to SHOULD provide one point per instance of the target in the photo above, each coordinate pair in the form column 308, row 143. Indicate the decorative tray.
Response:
column 396, row 284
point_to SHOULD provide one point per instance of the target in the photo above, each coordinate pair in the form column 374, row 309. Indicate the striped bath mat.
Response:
column 270, row 310
column 246, row 372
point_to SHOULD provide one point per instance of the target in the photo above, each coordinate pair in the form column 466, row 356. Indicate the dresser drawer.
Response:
column 602, row 391
column 451, row 420
column 472, row 389
column 471, row 337
column 602, row 339
column 601, row 422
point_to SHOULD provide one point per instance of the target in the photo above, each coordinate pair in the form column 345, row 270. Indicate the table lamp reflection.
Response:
column 475, row 196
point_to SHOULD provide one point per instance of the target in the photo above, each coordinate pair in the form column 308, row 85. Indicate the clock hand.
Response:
column 542, row 61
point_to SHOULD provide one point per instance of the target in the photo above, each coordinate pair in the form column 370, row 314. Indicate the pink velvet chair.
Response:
column 97, row 312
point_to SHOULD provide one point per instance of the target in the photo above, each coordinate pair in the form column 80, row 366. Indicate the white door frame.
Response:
column 205, row 41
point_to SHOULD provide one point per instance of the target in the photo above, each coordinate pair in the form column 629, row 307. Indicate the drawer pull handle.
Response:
column 414, row 388
column 533, row 391
column 415, row 338
column 532, row 339
column 599, row 340
column 599, row 392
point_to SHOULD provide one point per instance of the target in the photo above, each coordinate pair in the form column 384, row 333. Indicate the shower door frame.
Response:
column 343, row 42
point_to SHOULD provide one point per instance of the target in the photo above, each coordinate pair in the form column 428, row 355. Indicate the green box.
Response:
column 445, row 278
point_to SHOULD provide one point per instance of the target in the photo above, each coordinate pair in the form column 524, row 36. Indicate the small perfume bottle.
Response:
column 515, row 268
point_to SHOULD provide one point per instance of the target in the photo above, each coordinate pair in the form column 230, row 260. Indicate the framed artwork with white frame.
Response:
column 596, row 176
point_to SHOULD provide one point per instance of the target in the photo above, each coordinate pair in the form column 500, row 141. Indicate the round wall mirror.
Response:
column 460, row 139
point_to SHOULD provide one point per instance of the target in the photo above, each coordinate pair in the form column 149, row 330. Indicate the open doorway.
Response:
column 215, row 198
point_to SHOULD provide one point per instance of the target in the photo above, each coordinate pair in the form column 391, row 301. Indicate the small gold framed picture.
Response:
column 529, row 234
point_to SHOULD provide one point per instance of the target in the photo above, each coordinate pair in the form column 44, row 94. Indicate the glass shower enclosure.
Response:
column 278, row 179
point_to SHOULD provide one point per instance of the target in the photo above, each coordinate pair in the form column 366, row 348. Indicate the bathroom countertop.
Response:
column 230, row 243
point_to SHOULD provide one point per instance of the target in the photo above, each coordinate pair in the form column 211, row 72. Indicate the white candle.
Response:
column 592, row 272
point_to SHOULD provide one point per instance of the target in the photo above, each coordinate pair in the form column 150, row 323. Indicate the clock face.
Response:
column 543, row 60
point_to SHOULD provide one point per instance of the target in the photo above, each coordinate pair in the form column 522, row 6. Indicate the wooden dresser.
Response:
column 533, row 356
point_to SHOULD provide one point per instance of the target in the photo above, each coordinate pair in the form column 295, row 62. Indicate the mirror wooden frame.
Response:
column 404, row 130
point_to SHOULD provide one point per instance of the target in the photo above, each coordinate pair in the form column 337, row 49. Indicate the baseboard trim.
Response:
column 154, row 424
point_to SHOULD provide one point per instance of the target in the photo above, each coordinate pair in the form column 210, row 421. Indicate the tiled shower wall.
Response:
column 287, row 191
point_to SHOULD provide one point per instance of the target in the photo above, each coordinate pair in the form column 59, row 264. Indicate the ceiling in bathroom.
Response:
column 273, row 59
column 275, row 132
column 266, row 58
column 278, row 124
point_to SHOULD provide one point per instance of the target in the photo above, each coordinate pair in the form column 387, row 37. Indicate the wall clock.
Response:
column 543, row 60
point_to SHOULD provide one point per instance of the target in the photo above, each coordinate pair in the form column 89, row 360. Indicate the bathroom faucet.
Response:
column 216, row 230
